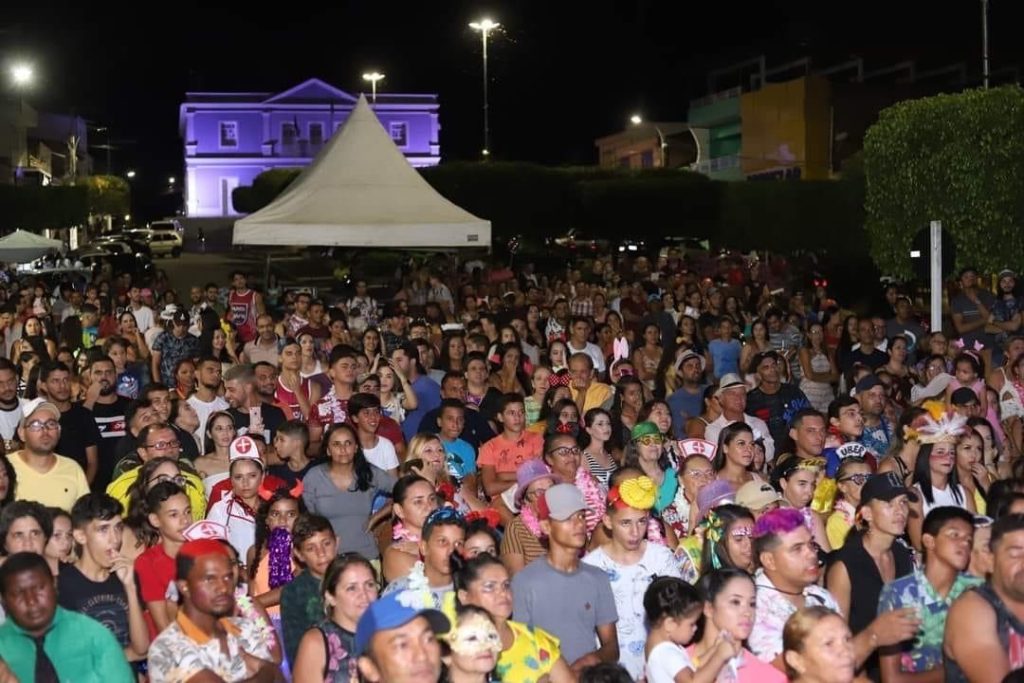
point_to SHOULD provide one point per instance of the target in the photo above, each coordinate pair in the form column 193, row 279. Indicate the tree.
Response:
column 264, row 189
column 108, row 195
column 955, row 158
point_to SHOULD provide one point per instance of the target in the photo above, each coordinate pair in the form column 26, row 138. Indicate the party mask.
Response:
column 475, row 635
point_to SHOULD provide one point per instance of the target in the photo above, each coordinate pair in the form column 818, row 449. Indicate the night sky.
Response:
column 563, row 73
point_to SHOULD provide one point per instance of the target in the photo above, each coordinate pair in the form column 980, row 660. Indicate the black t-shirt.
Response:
column 77, row 432
column 189, row 449
column 106, row 601
column 873, row 360
column 777, row 410
column 273, row 417
column 289, row 475
column 110, row 420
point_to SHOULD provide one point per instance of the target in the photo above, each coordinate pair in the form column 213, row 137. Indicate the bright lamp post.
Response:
column 22, row 74
column 373, row 77
column 637, row 120
column 485, row 26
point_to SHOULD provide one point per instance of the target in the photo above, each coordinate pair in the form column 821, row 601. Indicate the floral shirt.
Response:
column 532, row 656
column 629, row 582
column 924, row 653
column 773, row 609
column 338, row 645
column 182, row 650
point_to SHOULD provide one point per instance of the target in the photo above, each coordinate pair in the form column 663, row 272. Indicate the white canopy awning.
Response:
column 22, row 246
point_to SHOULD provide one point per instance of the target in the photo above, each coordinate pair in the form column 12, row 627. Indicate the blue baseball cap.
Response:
column 392, row 611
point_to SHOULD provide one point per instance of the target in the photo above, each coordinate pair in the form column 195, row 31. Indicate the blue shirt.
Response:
column 81, row 649
column 725, row 356
column 428, row 395
column 460, row 458
column 684, row 406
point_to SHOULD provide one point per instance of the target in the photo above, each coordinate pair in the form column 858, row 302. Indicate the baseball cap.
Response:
column 243, row 448
column 756, row 495
column 38, row 404
column 560, row 502
column 394, row 610
column 885, row 487
column 866, row 383
column 529, row 472
column 714, row 494
column 730, row 380
column 1006, row 272
column 642, row 429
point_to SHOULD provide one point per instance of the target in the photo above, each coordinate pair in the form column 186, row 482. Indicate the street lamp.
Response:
column 637, row 120
column 373, row 77
column 130, row 174
column 171, row 180
column 485, row 26
column 22, row 74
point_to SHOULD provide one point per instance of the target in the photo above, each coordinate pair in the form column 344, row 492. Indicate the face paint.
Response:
column 475, row 635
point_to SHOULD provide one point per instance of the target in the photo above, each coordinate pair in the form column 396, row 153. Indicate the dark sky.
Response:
column 562, row 72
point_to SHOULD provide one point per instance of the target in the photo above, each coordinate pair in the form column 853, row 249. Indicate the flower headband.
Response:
column 638, row 493
column 267, row 493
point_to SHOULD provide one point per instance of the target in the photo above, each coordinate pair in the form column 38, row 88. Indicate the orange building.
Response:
column 786, row 129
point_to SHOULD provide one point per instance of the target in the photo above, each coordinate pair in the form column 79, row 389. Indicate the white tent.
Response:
column 22, row 246
column 361, row 192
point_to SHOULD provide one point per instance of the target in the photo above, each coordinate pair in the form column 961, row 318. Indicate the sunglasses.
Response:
column 444, row 514
column 651, row 440
column 858, row 479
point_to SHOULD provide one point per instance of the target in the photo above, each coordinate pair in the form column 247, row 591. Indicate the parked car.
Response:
column 577, row 242
column 167, row 225
column 161, row 242
column 118, row 257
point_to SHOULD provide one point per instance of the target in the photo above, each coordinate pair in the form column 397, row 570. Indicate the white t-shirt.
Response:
column 665, row 661
column 205, row 410
column 9, row 420
column 383, row 455
column 143, row 318
column 592, row 350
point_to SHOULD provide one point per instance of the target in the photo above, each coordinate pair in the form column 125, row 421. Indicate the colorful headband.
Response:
column 267, row 493
column 937, row 426
column 559, row 380
column 639, row 493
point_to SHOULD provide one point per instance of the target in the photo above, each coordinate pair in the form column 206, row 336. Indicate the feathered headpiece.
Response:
column 938, row 425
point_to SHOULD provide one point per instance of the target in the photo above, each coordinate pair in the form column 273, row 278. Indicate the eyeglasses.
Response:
column 706, row 475
column 36, row 426
column 163, row 445
column 564, row 451
column 177, row 479
column 858, row 479
column 651, row 440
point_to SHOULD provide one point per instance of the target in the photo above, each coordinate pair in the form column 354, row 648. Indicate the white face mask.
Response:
column 475, row 635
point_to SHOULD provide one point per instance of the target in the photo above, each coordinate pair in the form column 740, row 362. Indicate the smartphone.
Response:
column 255, row 415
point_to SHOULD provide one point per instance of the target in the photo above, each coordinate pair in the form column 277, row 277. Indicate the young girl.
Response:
column 673, row 608
column 969, row 372
column 414, row 500
column 237, row 509
column 557, row 354
column 61, row 546
column 473, row 646
column 535, row 401
column 213, row 466
column 396, row 395
column 270, row 559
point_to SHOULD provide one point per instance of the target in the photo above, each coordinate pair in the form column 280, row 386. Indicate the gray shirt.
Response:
column 348, row 511
column 570, row 606
column 972, row 314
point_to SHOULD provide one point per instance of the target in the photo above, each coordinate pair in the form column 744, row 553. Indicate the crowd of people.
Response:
column 629, row 472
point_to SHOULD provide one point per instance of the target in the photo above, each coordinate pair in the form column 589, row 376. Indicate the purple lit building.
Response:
column 230, row 138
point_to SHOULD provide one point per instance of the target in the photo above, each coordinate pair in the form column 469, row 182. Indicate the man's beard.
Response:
column 106, row 389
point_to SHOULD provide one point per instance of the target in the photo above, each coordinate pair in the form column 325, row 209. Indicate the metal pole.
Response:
column 373, row 89
column 487, row 128
column 662, row 145
column 984, row 43
column 936, row 275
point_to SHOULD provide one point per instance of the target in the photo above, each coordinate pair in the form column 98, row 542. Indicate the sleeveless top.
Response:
column 1009, row 629
column 242, row 314
column 288, row 398
column 340, row 666
column 1010, row 401
column 600, row 472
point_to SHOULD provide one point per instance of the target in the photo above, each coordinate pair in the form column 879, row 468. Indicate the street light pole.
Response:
column 636, row 120
column 373, row 77
column 485, row 26
column 984, row 43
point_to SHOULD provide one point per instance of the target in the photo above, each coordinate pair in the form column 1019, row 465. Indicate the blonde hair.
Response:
column 798, row 628
column 416, row 445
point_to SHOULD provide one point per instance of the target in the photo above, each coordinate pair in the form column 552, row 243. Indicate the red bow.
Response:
column 267, row 493
column 489, row 515
column 566, row 428
column 559, row 380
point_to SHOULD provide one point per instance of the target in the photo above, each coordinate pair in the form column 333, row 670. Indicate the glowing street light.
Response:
column 373, row 77
column 22, row 74
column 171, row 180
column 130, row 174
column 637, row 120
column 485, row 26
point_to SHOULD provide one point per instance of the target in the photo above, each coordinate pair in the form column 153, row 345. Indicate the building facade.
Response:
column 230, row 138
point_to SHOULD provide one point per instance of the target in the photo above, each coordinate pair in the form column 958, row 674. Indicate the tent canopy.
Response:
column 22, row 246
column 360, row 191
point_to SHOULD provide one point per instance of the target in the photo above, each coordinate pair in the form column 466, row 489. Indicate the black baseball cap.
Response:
column 885, row 487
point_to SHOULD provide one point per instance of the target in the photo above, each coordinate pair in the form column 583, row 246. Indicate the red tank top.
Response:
column 286, row 397
column 242, row 314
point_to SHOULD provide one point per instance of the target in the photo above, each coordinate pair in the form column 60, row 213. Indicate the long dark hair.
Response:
column 360, row 465
column 725, row 438
column 547, row 406
column 614, row 441
column 12, row 482
column 262, row 529
column 522, row 376
column 923, row 475
column 465, row 572
column 717, row 552
column 446, row 359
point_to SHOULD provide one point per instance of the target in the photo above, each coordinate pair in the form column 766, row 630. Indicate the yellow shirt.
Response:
column 597, row 395
column 60, row 487
column 193, row 489
column 532, row 655
column 836, row 528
